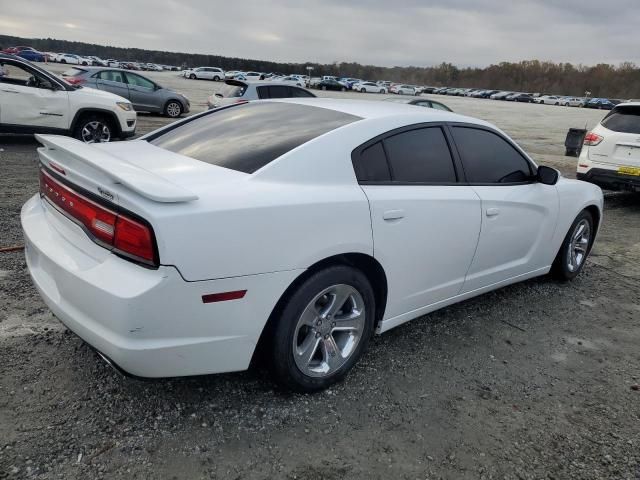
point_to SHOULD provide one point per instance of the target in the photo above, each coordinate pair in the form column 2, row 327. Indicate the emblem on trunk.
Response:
column 106, row 193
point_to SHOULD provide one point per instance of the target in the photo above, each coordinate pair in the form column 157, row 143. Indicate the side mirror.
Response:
column 547, row 175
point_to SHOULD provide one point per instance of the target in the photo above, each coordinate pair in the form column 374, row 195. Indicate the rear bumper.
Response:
column 150, row 323
column 610, row 179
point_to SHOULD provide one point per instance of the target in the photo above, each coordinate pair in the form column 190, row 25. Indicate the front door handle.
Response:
column 492, row 212
column 393, row 215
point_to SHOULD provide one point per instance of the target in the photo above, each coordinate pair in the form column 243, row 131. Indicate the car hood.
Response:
column 95, row 93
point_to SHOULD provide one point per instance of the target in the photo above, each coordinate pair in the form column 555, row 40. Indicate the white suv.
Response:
column 237, row 91
column 610, row 156
column 34, row 101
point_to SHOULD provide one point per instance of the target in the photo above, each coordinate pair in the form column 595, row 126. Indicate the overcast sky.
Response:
column 379, row 32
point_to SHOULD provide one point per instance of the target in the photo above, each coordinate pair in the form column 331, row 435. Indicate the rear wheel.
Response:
column 382, row 91
column 93, row 128
column 363, row 90
column 575, row 248
column 323, row 329
column 173, row 109
column 216, row 78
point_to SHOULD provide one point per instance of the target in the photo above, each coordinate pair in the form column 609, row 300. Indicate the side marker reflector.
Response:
column 223, row 297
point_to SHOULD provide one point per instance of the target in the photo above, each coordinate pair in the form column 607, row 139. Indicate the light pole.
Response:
column 309, row 70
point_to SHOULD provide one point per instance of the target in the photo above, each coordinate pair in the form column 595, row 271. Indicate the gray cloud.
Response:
column 410, row 32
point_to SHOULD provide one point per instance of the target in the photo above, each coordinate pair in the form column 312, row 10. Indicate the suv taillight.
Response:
column 591, row 139
column 114, row 230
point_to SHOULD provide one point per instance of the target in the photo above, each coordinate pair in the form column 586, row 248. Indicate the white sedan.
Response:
column 368, row 87
column 298, row 82
column 299, row 226
column 403, row 90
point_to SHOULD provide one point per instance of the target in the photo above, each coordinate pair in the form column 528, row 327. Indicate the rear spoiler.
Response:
column 58, row 148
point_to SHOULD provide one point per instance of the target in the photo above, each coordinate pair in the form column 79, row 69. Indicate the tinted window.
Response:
column 278, row 92
column 488, row 158
column 248, row 136
column 625, row 120
column 371, row 164
column 299, row 92
column 440, row 106
column 420, row 155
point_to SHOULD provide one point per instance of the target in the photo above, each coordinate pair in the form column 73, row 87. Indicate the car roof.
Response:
column 628, row 104
column 369, row 109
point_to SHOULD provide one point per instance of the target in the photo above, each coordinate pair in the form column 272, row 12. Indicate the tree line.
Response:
column 602, row 80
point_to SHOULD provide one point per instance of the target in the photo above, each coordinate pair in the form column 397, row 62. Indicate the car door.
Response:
column 518, row 213
column 28, row 98
column 142, row 93
column 112, row 81
column 425, row 223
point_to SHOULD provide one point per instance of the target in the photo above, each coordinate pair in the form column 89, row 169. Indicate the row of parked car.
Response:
column 33, row 55
column 558, row 100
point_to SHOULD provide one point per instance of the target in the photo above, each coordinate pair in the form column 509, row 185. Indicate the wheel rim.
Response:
column 329, row 331
column 173, row 109
column 578, row 245
column 96, row 132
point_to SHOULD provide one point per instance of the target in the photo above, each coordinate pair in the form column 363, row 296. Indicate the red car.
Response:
column 16, row 50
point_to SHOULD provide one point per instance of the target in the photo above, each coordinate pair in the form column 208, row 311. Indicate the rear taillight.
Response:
column 109, row 228
column 591, row 139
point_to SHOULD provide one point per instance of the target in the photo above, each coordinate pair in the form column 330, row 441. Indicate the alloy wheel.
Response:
column 174, row 109
column 96, row 132
column 578, row 245
column 329, row 330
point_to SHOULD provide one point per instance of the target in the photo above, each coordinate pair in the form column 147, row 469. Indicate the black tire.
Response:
column 363, row 90
column 95, row 123
column 382, row 91
column 63, row 61
column 283, row 363
column 173, row 109
column 561, row 269
column 324, row 87
column 216, row 78
column 192, row 76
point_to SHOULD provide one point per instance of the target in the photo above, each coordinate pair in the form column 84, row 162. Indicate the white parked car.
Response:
column 548, row 100
column 291, row 80
column 236, row 91
column 205, row 73
column 181, row 252
column 572, row 102
column 97, row 61
column 368, row 87
column 403, row 90
column 34, row 101
column 113, row 63
column 610, row 156
column 72, row 59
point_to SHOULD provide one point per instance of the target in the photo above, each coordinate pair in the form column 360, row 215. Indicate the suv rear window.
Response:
column 248, row 136
column 623, row 119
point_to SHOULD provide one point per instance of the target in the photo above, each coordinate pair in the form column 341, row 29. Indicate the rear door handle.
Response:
column 393, row 215
column 492, row 212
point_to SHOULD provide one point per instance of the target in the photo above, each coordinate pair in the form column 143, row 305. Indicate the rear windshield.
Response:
column 231, row 91
column 623, row 119
column 247, row 137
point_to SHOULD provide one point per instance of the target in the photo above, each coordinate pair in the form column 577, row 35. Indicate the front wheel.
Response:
column 323, row 330
column 363, row 90
column 93, row 129
column 192, row 76
column 173, row 109
column 575, row 248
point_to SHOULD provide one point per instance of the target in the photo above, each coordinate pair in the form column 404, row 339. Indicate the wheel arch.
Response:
column 365, row 263
column 596, row 214
column 91, row 110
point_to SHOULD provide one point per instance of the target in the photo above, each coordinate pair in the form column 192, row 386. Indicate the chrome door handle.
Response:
column 492, row 212
column 393, row 215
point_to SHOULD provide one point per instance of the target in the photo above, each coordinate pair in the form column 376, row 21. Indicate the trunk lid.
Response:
column 620, row 130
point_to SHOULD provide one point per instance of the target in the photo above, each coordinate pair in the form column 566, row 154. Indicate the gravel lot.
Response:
column 537, row 380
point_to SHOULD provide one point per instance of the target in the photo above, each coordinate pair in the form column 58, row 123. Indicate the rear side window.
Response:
column 623, row 120
column 488, row 158
column 277, row 91
column 300, row 92
column 420, row 156
column 248, row 136
column 371, row 165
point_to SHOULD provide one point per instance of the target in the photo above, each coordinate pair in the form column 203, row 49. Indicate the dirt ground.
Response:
column 537, row 380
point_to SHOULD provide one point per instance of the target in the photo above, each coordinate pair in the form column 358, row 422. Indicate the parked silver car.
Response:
column 234, row 91
column 145, row 95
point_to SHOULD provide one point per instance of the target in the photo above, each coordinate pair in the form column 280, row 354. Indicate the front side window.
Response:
column 16, row 74
column 248, row 136
column 488, row 158
column 139, row 81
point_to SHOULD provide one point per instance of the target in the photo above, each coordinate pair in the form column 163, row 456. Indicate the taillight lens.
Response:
column 74, row 80
column 591, row 139
column 111, row 229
